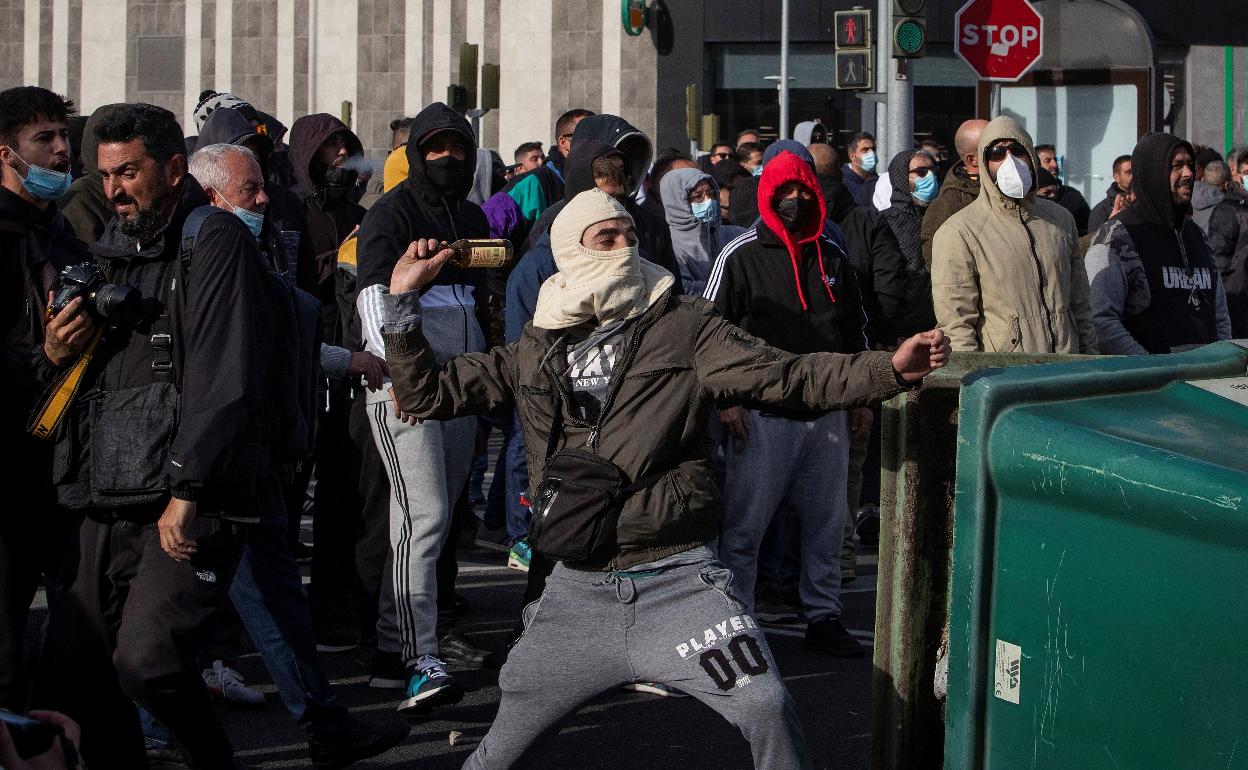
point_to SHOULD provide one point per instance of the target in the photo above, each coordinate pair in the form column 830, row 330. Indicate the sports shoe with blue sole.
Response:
column 428, row 686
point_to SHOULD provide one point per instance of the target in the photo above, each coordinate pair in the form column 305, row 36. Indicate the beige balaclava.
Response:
column 595, row 286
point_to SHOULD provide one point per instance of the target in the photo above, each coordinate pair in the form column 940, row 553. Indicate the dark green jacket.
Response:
column 679, row 359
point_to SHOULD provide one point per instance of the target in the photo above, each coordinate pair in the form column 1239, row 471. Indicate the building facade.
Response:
column 388, row 58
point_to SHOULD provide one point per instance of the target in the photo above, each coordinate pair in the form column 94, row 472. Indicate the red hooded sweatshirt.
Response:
column 779, row 171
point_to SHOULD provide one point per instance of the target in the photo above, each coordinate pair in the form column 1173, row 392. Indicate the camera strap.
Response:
column 43, row 423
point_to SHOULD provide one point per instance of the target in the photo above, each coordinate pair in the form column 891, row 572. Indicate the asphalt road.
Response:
column 617, row 730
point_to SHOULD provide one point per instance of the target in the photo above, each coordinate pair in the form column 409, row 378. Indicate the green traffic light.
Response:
column 910, row 36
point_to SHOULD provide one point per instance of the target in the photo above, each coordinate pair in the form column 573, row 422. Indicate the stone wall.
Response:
column 388, row 57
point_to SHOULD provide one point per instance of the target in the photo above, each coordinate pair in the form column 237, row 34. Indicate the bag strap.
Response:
column 44, row 422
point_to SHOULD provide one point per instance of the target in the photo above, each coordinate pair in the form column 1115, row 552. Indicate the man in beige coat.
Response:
column 1007, row 274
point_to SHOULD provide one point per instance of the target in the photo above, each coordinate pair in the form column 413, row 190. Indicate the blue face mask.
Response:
column 925, row 188
column 706, row 211
column 758, row 170
column 44, row 184
column 254, row 221
column 867, row 161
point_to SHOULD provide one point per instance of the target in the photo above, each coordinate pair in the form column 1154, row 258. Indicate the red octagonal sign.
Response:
column 999, row 39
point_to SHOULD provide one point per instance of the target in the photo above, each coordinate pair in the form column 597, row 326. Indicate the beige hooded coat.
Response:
column 1008, row 275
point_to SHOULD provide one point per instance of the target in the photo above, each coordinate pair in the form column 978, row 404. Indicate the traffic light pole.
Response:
column 883, row 68
column 784, row 69
column 900, row 109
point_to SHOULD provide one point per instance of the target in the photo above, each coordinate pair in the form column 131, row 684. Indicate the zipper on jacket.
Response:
column 1048, row 314
column 629, row 356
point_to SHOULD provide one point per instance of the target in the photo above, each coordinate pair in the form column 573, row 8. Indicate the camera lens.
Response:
column 119, row 304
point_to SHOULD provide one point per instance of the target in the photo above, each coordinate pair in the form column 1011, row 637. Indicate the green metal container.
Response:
column 920, row 432
column 1099, row 599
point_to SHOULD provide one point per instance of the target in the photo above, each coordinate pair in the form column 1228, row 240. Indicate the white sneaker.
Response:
column 227, row 686
column 654, row 688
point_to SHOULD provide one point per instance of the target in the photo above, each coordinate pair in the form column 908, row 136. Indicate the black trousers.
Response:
column 372, row 541
column 338, row 519
column 128, row 623
column 32, row 540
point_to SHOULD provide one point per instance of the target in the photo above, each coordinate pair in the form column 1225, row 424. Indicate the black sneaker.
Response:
column 494, row 539
column 828, row 635
column 302, row 552
column 389, row 673
column 458, row 651
column 771, row 607
column 331, row 639
column 355, row 739
column 867, row 525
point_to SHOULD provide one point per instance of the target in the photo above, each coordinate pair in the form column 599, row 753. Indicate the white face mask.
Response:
column 1013, row 178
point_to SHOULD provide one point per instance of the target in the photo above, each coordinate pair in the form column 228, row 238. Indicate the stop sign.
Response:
column 999, row 39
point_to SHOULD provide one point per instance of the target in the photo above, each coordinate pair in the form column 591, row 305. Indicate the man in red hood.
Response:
column 788, row 283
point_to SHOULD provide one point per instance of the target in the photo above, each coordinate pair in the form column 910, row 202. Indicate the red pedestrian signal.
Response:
column 853, row 29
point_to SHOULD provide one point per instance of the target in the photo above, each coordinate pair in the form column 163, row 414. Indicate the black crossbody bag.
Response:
column 578, row 501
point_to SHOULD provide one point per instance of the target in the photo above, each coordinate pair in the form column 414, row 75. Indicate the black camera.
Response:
column 120, row 305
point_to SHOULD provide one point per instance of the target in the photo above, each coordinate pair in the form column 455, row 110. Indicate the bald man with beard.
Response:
column 961, row 185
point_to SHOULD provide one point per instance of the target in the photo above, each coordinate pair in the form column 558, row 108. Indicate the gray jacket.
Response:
column 1205, row 197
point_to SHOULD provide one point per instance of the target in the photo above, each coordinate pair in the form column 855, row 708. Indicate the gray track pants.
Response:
column 676, row 621
column 428, row 466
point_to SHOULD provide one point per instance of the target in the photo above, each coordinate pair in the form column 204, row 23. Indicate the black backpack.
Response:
column 295, row 368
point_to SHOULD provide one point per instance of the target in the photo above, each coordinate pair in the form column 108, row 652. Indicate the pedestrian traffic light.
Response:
column 468, row 72
column 853, row 70
column 489, row 86
column 853, row 29
column 909, row 29
column 457, row 97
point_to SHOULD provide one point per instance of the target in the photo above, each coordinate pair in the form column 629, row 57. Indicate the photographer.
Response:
column 36, row 242
column 167, row 450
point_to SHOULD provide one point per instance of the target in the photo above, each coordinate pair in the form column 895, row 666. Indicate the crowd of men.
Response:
column 196, row 327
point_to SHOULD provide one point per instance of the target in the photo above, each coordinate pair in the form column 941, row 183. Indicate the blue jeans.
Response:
column 268, row 594
column 517, row 481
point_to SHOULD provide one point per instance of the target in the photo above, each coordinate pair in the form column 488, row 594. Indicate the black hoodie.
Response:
column 416, row 209
column 905, row 217
column 873, row 251
column 35, row 244
column 285, row 227
column 330, row 213
column 1172, row 249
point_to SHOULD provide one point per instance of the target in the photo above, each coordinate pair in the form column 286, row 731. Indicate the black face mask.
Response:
column 795, row 213
column 449, row 174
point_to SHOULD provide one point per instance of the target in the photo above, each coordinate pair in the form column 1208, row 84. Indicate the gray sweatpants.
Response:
column 805, row 463
column 677, row 621
column 428, row 465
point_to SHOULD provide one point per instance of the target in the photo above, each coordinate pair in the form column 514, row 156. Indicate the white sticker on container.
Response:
column 1234, row 388
column 1009, row 670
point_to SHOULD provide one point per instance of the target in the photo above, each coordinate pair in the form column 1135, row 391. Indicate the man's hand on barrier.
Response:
column 920, row 354
column 67, row 332
column 172, row 527
column 374, row 369
column 419, row 265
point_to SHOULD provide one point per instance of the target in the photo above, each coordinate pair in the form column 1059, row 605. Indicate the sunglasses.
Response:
column 998, row 152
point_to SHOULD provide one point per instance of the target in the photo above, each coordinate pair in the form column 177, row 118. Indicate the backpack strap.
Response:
column 166, row 355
